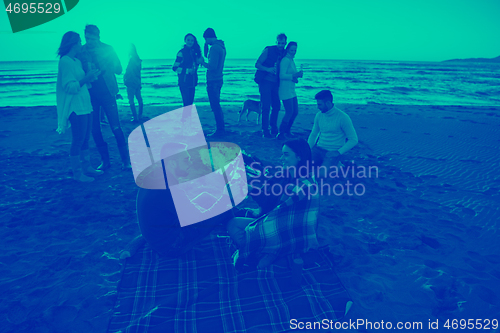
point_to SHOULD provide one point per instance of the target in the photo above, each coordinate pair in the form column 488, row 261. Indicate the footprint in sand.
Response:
column 487, row 295
column 495, row 273
column 17, row 313
column 492, row 258
column 432, row 242
column 476, row 265
column 433, row 264
column 492, row 191
column 468, row 211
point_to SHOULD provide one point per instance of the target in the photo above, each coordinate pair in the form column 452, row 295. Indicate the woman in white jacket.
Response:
column 288, row 77
column 73, row 105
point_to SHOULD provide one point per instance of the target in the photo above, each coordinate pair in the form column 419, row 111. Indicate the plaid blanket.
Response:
column 288, row 228
column 202, row 292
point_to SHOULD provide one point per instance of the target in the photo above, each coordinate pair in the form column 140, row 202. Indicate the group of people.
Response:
column 285, row 224
column 186, row 64
column 86, row 86
column 276, row 76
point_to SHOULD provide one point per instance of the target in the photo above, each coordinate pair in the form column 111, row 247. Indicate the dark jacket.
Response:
column 186, row 59
column 160, row 224
column 273, row 56
column 104, row 58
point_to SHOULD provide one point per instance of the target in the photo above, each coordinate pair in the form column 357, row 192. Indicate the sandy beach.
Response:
column 421, row 243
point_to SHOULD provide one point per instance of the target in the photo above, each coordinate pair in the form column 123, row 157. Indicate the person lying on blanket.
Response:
column 156, row 212
column 290, row 226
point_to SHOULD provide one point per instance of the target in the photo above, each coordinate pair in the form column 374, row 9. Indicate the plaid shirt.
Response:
column 288, row 228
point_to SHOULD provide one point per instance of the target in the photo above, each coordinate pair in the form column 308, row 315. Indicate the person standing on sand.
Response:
column 332, row 134
column 267, row 79
column 215, row 66
column 288, row 77
column 186, row 66
column 132, row 80
column 73, row 105
column 96, row 54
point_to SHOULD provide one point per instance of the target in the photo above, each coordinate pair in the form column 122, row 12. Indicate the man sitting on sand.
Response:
column 332, row 134
column 156, row 211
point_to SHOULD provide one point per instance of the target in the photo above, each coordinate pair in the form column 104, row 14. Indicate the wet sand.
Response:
column 420, row 244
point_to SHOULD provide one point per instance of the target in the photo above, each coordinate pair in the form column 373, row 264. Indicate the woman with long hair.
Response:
column 289, row 225
column 73, row 105
column 186, row 66
column 132, row 80
column 288, row 77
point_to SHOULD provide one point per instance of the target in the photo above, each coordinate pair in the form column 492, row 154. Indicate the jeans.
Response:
column 269, row 98
column 107, row 103
column 318, row 156
column 80, row 131
column 187, row 95
column 213, row 91
column 291, row 111
column 135, row 93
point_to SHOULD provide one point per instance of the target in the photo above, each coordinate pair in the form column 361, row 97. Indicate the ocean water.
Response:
column 355, row 82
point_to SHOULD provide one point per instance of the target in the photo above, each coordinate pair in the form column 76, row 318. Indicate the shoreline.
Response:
column 205, row 104
column 421, row 243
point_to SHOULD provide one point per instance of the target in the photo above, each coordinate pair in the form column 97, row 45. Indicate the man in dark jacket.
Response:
column 215, row 66
column 268, row 80
column 97, row 55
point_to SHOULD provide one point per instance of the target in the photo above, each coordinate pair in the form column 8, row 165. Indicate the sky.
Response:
column 392, row 30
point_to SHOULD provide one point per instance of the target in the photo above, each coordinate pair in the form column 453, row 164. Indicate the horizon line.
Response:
column 300, row 59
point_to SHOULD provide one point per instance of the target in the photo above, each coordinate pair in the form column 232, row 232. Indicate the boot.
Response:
column 76, row 166
column 267, row 134
column 134, row 112
column 104, row 152
column 125, row 156
column 283, row 130
column 87, row 169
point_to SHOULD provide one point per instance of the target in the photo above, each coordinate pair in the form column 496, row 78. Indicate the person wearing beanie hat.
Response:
column 332, row 134
column 215, row 65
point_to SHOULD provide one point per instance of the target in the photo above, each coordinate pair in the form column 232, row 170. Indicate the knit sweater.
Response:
column 69, row 95
column 333, row 128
